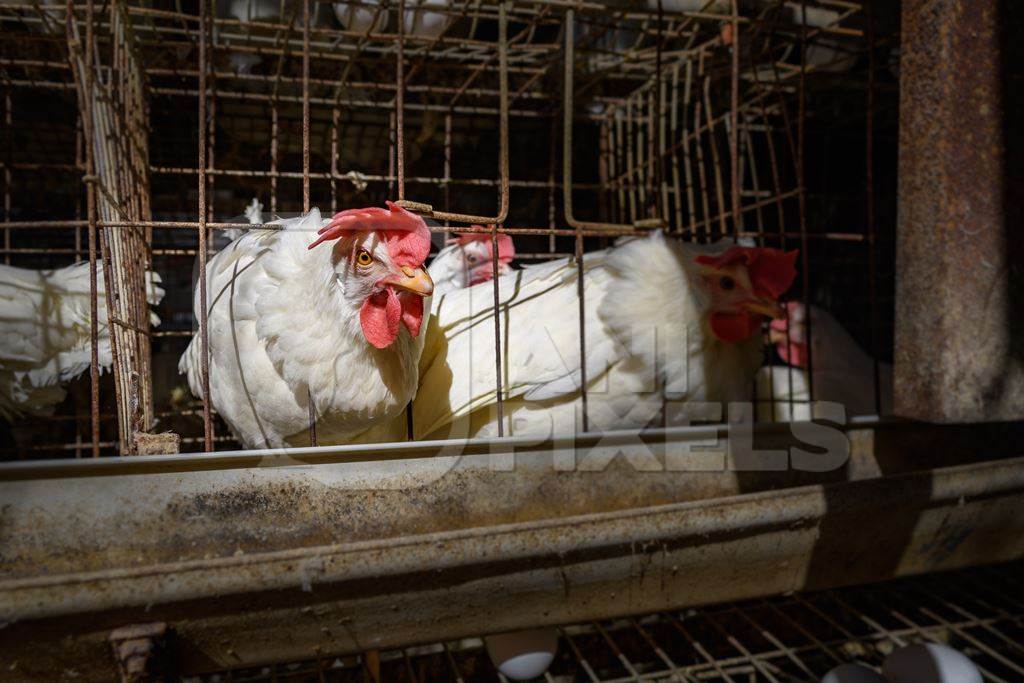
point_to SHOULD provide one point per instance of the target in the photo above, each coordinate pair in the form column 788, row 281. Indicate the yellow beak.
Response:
column 765, row 307
column 415, row 280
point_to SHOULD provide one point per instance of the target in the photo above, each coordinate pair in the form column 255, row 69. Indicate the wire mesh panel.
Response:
column 757, row 122
column 794, row 638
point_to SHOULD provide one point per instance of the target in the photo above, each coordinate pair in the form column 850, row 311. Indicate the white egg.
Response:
column 852, row 673
column 522, row 655
column 929, row 663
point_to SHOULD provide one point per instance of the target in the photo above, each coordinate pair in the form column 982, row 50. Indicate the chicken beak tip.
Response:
column 766, row 307
column 415, row 280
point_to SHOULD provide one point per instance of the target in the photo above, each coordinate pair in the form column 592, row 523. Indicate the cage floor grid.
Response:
column 796, row 637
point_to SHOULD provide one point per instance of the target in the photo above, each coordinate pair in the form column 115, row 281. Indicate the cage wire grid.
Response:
column 791, row 638
column 701, row 122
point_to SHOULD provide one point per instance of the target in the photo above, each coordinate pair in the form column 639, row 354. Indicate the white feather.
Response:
column 45, row 337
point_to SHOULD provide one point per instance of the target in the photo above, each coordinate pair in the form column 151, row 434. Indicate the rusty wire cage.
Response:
column 136, row 133
column 701, row 123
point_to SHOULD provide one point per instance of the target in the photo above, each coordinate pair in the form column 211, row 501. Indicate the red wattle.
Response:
column 379, row 316
column 733, row 327
column 412, row 312
column 795, row 354
column 482, row 273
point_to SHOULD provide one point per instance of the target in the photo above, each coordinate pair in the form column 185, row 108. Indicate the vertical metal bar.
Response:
column 570, row 17
column 391, row 155
column 869, row 183
column 662, row 130
column 642, row 165
column 8, row 154
column 447, row 165
column 204, row 336
column 618, row 198
column 701, row 168
column 755, row 180
column 734, row 116
column 674, row 136
column 79, row 164
column 631, row 163
column 503, row 171
column 691, row 202
column 274, row 130
column 552, row 156
column 90, row 194
column 211, row 151
column 715, row 161
column 400, row 102
column 335, row 120
column 503, row 210
column 497, row 330
column 805, row 271
column 305, row 172
column 603, row 174
column 305, row 105
column 657, row 148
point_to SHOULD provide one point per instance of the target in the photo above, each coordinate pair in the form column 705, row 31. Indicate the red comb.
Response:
column 771, row 271
column 406, row 235
column 506, row 250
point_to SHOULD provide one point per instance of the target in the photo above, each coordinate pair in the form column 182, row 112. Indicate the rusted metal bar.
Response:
column 959, row 242
column 869, row 191
column 801, row 132
column 204, row 332
column 734, row 134
column 274, row 143
column 8, row 150
column 400, row 101
column 391, row 155
column 498, row 365
column 716, row 162
column 305, row 170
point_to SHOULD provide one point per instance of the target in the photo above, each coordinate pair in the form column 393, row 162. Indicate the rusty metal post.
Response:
column 959, row 352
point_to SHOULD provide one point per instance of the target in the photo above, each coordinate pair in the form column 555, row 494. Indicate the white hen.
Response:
column 289, row 323
column 842, row 371
column 468, row 260
column 665, row 320
column 45, row 337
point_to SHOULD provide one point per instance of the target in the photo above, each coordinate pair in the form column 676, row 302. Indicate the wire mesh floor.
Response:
column 800, row 637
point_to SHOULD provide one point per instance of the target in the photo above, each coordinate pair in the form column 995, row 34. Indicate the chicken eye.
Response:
column 364, row 258
column 471, row 259
column 726, row 283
